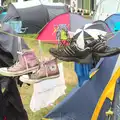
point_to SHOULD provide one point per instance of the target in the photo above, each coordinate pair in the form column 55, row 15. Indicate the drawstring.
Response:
column 46, row 72
column 21, row 55
column 25, row 62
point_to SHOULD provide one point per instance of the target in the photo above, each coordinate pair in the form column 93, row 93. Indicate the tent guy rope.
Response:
column 110, row 33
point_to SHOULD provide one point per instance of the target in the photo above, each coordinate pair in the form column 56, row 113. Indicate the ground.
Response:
column 26, row 91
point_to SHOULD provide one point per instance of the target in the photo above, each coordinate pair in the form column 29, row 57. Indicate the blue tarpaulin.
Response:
column 82, row 71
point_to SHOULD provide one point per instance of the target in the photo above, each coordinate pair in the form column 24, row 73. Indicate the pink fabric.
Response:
column 48, row 33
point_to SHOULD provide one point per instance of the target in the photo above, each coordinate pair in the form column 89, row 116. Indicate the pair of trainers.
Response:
column 93, row 48
column 30, row 69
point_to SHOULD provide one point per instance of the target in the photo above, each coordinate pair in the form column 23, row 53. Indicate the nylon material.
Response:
column 103, row 12
column 105, row 94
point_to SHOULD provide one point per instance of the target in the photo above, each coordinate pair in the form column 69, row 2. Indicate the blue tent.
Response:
column 113, row 22
column 85, row 103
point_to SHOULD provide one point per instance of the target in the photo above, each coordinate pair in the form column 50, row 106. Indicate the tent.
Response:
column 93, row 100
column 10, row 43
column 105, row 8
column 33, row 15
column 11, row 104
column 72, row 21
column 112, row 21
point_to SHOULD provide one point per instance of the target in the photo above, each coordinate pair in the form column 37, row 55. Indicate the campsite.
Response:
column 59, row 60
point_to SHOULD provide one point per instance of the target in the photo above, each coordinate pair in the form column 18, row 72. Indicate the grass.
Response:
column 26, row 91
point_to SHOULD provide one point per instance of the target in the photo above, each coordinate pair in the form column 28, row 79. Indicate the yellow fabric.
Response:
column 3, row 90
column 108, row 92
column 93, row 73
column 46, row 119
column 109, row 112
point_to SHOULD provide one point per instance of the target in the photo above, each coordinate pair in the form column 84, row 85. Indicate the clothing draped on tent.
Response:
column 82, row 71
column 11, row 106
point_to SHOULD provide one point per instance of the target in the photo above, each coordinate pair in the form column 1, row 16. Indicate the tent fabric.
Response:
column 35, row 16
column 10, row 43
column 77, row 21
column 73, row 21
column 104, row 24
column 90, row 31
column 57, row 10
column 105, row 9
column 48, row 33
column 112, row 20
column 89, row 94
column 12, row 13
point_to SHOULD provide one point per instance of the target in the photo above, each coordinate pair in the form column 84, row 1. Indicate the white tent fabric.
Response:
column 105, row 8
column 27, row 4
column 46, row 92
column 97, row 2
column 91, row 30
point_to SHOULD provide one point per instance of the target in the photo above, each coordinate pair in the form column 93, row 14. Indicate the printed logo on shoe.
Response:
column 53, row 67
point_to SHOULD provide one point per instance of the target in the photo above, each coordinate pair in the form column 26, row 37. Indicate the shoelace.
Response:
column 18, row 63
column 101, row 38
column 42, row 66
